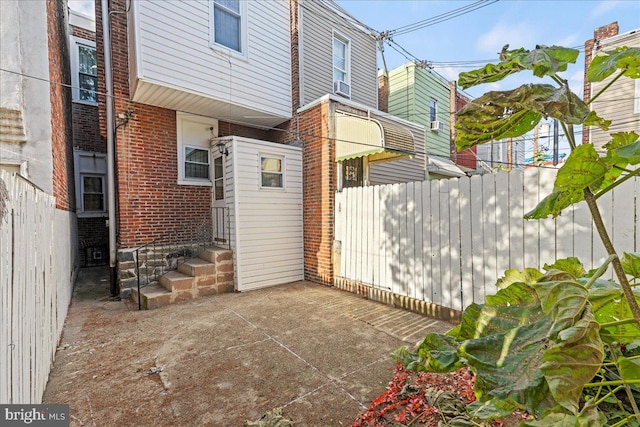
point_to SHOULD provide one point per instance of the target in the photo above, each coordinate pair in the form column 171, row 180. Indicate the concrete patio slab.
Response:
column 321, row 353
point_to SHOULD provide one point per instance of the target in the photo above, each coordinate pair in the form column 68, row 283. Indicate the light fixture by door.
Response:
column 222, row 148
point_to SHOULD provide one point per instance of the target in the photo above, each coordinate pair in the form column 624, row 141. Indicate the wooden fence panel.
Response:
column 36, row 279
column 448, row 241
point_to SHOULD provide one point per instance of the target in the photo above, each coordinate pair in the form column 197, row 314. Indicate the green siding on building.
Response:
column 410, row 91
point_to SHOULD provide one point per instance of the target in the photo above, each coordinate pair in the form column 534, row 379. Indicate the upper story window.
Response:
column 341, row 66
column 84, row 71
column 433, row 110
column 228, row 26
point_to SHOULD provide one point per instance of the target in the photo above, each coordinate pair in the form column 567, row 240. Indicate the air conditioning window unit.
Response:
column 435, row 125
column 342, row 88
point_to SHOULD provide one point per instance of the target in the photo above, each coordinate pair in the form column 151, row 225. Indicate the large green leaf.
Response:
column 437, row 353
column 631, row 264
column 491, row 409
column 571, row 265
column 583, row 168
column 543, row 61
column 508, row 114
column 573, row 361
column 624, row 58
column 629, row 368
column 511, row 307
column 529, row 275
column 564, row 302
column 507, row 365
column 609, row 305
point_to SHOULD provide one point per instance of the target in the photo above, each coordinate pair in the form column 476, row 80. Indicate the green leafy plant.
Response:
column 562, row 344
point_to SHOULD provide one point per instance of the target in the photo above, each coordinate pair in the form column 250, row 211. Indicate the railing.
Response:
column 167, row 252
column 221, row 229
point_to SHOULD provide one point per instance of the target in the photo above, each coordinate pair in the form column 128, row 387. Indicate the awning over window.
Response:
column 358, row 136
column 442, row 166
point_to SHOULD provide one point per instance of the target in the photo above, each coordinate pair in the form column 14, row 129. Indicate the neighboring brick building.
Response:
column 173, row 104
column 89, row 149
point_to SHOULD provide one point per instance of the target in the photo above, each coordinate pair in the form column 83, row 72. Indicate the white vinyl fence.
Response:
column 37, row 270
column 447, row 241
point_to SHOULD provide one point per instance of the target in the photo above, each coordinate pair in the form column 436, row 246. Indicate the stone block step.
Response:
column 175, row 281
column 151, row 296
column 216, row 255
column 195, row 267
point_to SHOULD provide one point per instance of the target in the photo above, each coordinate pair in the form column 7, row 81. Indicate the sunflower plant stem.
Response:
column 617, row 265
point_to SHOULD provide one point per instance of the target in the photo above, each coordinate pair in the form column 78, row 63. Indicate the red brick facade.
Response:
column 60, row 96
column 600, row 33
column 319, row 177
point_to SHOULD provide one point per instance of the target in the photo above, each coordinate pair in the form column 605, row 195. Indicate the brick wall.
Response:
column 318, row 194
column 383, row 93
column 83, row 33
column 86, row 129
column 466, row 158
column 600, row 33
column 60, row 97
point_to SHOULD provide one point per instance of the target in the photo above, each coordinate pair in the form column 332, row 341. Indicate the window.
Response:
column 271, row 175
column 196, row 163
column 218, row 178
column 228, row 26
column 91, row 183
column 433, row 110
column 84, row 71
column 194, row 135
column 341, row 65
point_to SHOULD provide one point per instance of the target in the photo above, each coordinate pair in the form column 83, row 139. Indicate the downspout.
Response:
column 114, row 292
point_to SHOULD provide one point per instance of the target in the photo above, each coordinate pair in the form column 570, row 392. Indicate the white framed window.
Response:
column 84, row 71
column 91, row 183
column 228, row 25
column 194, row 134
column 271, row 171
column 341, row 65
column 433, row 110
column 218, row 178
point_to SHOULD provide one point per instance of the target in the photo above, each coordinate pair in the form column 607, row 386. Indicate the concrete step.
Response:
column 195, row 267
column 175, row 281
column 151, row 296
column 216, row 255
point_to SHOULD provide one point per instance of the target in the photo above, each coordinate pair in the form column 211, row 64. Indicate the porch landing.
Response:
column 209, row 274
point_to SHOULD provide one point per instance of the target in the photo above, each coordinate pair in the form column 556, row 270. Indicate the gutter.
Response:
column 114, row 292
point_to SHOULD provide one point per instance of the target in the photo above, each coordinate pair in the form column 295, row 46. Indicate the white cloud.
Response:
column 516, row 36
column 449, row 73
column 569, row 41
column 85, row 7
column 603, row 7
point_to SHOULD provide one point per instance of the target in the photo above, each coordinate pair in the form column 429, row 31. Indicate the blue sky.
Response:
column 480, row 34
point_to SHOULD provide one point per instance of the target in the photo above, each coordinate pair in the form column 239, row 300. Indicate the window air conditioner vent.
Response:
column 342, row 88
column 435, row 125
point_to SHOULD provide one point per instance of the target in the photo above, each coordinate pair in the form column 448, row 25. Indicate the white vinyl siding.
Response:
column 267, row 233
column 175, row 66
column 617, row 104
column 318, row 24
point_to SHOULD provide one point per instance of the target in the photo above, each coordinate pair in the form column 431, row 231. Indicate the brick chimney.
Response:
column 383, row 91
column 601, row 33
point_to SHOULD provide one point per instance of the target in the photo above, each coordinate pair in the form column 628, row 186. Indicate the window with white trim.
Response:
column 91, row 183
column 271, row 171
column 341, row 66
column 227, row 24
column 218, row 178
column 433, row 110
column 84, row 71
column 194, row 135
